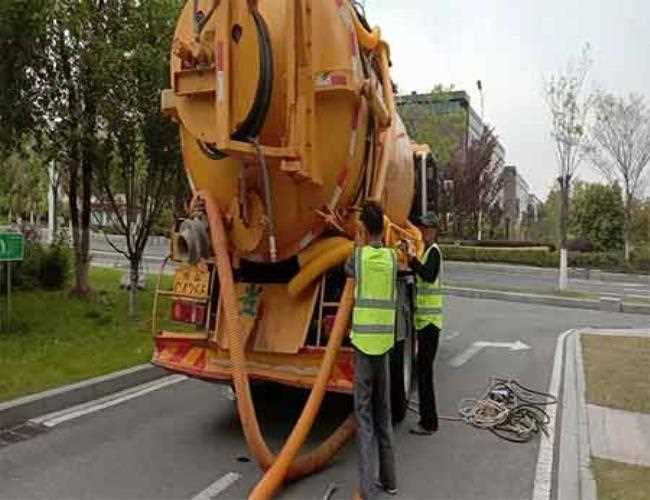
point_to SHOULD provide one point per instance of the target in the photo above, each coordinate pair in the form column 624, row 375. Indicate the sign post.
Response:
column 12, row 249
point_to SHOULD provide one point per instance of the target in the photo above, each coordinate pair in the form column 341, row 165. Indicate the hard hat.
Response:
column 429, row 220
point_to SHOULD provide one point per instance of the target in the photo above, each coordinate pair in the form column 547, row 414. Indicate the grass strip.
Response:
column 618, row 481
column 616, row 372
column 58, row 339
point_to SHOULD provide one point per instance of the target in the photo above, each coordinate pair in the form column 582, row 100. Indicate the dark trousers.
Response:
column 375, row 433
column 428, row 339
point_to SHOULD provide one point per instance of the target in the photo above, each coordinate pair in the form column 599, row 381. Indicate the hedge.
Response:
column 43, row 267
column 606, row 261
column 501, row 244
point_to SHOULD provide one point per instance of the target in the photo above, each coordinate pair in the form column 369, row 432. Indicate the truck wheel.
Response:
column 401, row 377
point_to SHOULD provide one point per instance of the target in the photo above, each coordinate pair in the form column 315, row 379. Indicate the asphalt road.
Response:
column 458, row 273
column 522, row 278
column 175, row 442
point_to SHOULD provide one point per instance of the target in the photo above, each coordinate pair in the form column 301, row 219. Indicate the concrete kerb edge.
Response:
column 547, row 300
column 588, row 488
column 587, row 481
column 594, row 274
column 524, row 298
column 20, row 410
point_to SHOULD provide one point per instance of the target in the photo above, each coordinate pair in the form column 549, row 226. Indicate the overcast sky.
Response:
column 511, row 45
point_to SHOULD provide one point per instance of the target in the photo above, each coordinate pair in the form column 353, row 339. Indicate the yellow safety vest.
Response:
column 373, row 318
column 428, row 299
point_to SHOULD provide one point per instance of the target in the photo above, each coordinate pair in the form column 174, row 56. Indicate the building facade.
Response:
column 520, row 206
column 451, row 103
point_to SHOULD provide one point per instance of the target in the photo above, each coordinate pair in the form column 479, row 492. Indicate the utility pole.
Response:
column 479, row 85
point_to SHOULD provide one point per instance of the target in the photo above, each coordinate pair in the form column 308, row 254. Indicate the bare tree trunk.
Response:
column 564, row 219
column 134, row 276
column 627, row 226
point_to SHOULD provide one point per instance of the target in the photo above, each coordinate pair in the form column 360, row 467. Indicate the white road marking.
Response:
column 56, row 418
column 448, row 335
column 476, row 347
column 218, row 487
column 544, row 469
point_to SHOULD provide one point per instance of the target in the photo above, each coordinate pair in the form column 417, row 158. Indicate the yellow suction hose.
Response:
column 286, row 466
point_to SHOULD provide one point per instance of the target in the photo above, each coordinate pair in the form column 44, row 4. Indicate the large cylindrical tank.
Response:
column 301, row 67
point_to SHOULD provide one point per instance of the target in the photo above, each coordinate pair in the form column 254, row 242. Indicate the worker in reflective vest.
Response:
column 428, row 321
column 373, row 336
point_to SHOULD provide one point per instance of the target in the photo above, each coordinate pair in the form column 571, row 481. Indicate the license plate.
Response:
column 192, row 281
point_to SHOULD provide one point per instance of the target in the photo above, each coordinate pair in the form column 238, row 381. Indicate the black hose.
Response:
column 210, row 151
column 361, row 14
column 252, row 124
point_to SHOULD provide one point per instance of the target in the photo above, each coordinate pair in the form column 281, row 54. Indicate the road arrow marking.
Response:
column 476, row 347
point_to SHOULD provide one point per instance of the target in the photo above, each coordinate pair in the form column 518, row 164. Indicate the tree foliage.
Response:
column 598, row 215
column 621, row 136
column 22, row 40
column 641, row 224
column 25, row 181
column 85, row 78
column 476, row 183
column 144, row 170
column 442, row 129
column 569, row 108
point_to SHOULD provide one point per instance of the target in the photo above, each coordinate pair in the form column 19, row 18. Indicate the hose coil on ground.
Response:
column 507, row 409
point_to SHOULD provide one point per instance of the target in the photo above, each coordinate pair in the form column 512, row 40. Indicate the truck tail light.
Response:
column 188, row 312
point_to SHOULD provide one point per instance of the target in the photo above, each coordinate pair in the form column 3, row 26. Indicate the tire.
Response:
column 402, row 361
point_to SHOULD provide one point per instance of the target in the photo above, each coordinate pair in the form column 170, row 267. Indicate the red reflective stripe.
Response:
column 356, row 115
column 220, row 57
column 338, row 80
column 199, row 364
column 180, row 353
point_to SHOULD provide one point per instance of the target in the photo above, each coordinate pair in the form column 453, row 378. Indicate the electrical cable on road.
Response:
column 508, row 409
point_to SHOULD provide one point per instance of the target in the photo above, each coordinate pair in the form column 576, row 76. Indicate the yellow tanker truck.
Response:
column 287, row 122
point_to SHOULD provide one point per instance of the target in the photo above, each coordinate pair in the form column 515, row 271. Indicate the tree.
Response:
column 569, row 106
column 22, row 41
column 477, row 181
column 69, row 83
column 598, row 215
column 145, row 168
column 641, row 223
column 26, row 181
column 442, row 129
column 621, row 134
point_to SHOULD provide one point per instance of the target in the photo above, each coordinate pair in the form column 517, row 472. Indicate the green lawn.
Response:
column 616, row 371
column 59, row 340
column 617, row 481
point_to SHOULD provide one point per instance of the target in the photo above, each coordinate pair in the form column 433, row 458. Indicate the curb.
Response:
column 587, row 480
column 115, row 255
column 575, row 475
column 574, row 273
column 547, row 300
column 19, row 410
column 575, row 478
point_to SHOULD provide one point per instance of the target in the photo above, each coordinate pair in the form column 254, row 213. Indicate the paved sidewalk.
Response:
column 619, row 435
column 589, row 430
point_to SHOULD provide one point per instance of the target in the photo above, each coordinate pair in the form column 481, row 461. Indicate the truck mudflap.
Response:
column 193, row 355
